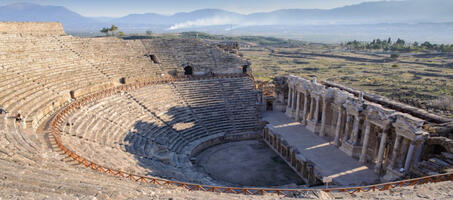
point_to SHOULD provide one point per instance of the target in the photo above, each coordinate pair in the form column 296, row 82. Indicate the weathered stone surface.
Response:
column 32, row 28
column 43, row 70
column 176, row 54
column 362, row 125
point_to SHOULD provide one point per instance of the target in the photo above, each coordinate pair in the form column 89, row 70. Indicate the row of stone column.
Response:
column 350, row 137
column 304, row 168
column 350, row 127
column 309, row 111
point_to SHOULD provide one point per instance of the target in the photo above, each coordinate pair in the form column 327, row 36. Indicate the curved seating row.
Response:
column 175, row 53
column 39, row 72
column 148, row 129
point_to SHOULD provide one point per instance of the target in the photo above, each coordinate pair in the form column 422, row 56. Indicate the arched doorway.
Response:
column 154, row 58
column 123, row 80
column 245, row 69
column 188, row 70
column 71, row 93
column 269, row 106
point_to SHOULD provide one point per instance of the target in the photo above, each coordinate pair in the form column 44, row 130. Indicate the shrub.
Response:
column 394, row 56
column 443, row 103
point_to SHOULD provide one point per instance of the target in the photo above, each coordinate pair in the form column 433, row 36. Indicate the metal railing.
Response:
column 58, row 120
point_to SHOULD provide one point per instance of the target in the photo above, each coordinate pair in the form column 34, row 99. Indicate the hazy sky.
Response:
column 115, row 8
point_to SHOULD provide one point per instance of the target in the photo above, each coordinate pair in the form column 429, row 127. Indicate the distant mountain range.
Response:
column 380, row 12
column 35, row 12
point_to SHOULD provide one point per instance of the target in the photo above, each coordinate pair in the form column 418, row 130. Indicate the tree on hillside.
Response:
column 149, row 32
column 427, row 45
column 400, row 42
column 399, row 46
column 105, row 31
column 113, row 28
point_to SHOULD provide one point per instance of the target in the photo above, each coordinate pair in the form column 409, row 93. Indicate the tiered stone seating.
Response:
column 45, row 61
column 17, row 144
column 167, row 56
column 153, row 125
column 100, row 130
column 223, row 105
column 172, row 111
column 37, row 71
column 242, row 103
column 206, row 100
column 145, row 131
column 114, row 57
column 176, row 53
column 46, row 176
column 26, row 166
column 139, row 128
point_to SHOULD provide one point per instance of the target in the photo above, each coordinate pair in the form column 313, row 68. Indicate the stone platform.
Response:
column 329, row 161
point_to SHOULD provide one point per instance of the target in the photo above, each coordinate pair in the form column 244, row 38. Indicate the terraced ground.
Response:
column 424, row 80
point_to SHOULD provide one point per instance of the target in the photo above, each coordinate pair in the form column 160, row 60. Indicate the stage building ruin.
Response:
column 392, row 141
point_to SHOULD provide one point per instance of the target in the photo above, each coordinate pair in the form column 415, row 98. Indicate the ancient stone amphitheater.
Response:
column 114, row 119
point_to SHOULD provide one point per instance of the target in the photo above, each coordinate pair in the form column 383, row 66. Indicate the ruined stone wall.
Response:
column 32, row 28
column 229, row 47
column 390, row 139
column 175, row 54
column 420, row 113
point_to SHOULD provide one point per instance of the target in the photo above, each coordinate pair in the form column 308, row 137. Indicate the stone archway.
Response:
column 269, row 106
column 154, row 59
column 245, row 69
column 188, row 70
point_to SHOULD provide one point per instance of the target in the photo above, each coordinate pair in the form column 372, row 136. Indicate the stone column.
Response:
column 410, row 153
column 403, row 152
column 395, row 151
column 316, row 114
column 293, row 100
column 338, row 128
column 304, row 113
column 346, row 130
column 381, row 151
column 312, row 109
column 323, row 118
column 355, row 130
column 289, row 98
column 298, row 107
column 418, row 153
column 365, row 143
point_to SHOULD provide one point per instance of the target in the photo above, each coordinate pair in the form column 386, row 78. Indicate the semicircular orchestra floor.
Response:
column 246, row 163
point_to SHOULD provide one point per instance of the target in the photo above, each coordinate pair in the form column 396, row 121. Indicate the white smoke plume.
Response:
column 217, row 20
